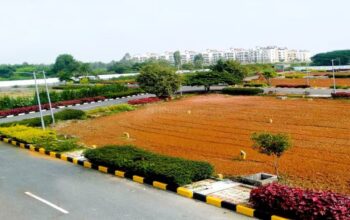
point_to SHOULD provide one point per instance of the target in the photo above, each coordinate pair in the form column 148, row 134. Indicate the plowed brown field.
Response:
column 215, row 128
column 313, row 82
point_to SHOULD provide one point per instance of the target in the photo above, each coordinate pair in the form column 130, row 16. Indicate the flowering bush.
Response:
column 47, row 139
column 28, row 109
column 143, row 101
column 292, row 86
column 27, row 134
column 341, row 95
column 298, row 203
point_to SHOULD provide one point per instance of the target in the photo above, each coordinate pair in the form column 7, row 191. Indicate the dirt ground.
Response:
column 313, row 82
column 215, row 128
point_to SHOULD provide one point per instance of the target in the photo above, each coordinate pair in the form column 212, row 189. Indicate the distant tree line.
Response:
column 325, row 59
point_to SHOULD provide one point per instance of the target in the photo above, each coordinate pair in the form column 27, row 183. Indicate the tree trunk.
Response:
column 275, row 163
column 207, row 88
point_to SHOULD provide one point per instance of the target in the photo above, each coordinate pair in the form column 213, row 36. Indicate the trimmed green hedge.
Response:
column 256, row 85
column 242, row 91
column 69, row 114
column 166, row 169
column 66, row 114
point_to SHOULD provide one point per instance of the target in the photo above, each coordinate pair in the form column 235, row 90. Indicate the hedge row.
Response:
column 143, row 101
column 242, row 91
column 298, row 203
column 339, row 87
column 66, row 114
column 292, row 86
column 339, row 75
column 257, row 85
column 166, row 169
column 341, row 95
column 28, row 109
column 7, row 102
column 70, row 92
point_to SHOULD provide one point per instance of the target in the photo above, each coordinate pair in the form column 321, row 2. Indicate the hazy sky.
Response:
column 36, row 31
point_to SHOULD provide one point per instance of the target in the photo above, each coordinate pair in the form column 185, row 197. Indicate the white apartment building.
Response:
column 271, row 54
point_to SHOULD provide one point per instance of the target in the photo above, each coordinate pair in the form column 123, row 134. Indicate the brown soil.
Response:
column 215, row 128
column 313, row 82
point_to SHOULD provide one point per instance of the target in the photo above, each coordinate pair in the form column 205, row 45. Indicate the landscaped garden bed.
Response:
column 144, row 101
column 242, row 91
column 47, row 139
column 215, row 128
column 46, row 106
column 341, row 95
column 312, row 82
column 292, row 86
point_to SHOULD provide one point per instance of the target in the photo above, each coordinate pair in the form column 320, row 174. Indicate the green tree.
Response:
column 198, row 61
column 268, row 74
column 324, row 59
column 158, row 79
column 232, row 67
column 65, row 66
column 6, row 71
column 84, row 69
column 187, row 66
column 210, row 78
column 177, row 59
column 271, row 144
column 126, row 57
column 65, row 76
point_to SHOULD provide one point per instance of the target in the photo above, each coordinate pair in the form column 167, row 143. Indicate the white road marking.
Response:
column 47, row 202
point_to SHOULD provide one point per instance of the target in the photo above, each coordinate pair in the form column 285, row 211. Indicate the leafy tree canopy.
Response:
column 198, row 61
column 324, row 59
column 158, row 79
column 208, row 79
column 65, row 63
column 232, row 67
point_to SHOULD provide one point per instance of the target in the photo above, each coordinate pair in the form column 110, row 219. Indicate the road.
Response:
column 81, row 107
column 184, row 89
column 33, row 186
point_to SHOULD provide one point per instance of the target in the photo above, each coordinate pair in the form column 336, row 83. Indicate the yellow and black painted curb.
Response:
column 241, row 209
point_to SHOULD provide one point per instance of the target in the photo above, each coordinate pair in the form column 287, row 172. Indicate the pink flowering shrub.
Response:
column 341, row 95
column 35, row 108
column 298, row 203
column 143, row 101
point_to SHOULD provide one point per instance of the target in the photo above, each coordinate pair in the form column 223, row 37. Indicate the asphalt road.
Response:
column 81, row 107
column 38, row 187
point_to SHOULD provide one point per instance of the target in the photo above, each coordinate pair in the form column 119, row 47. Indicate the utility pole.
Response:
column 39, row 103
column 49, row 99
column 334, row 86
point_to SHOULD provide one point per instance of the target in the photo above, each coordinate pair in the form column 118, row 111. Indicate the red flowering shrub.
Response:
column 298, row 203
column 292, row 86
column 28, row 109
column 143, row 101
column 341, row 95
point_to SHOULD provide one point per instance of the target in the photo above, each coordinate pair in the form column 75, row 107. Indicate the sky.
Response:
column 37, row 31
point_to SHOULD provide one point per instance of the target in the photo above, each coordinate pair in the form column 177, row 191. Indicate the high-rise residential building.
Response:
column 270, row 54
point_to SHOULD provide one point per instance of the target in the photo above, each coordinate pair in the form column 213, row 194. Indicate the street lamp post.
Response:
column 49, row 99
column 334, row 85
column 39, row 103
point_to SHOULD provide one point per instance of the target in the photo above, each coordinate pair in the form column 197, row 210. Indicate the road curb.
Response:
column 241, row 209
column 79, row 104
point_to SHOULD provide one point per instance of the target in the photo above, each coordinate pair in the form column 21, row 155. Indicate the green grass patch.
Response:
column 108, row 110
